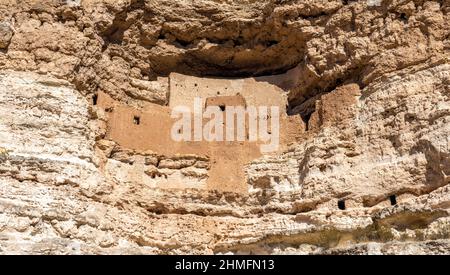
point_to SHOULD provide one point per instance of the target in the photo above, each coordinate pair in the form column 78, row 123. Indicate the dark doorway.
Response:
column 136, row 120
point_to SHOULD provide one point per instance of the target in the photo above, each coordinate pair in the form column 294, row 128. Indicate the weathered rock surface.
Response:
column 371, row 82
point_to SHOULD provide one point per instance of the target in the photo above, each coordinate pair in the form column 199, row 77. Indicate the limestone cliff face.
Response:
column 364, row 166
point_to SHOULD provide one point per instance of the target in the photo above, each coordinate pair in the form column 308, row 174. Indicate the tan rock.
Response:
column 86, row 89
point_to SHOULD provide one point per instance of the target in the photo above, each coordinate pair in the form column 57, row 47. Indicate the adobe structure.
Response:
column 217, row 165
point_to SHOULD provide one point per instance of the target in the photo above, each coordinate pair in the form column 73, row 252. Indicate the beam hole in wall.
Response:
column 222, row 107
column 341, row 204
column 393, row 199
column 136, row 120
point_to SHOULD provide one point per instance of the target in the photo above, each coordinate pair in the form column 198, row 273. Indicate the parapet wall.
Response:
column 184, row 89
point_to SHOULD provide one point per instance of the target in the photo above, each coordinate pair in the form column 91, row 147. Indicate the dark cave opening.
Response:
column 393, row 199
column 94, row 99
column 306, row 119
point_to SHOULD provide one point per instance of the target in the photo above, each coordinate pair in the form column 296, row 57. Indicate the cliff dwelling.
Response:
column 148, row 129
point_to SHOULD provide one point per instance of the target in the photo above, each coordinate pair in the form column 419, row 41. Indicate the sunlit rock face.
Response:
column 87, row 163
